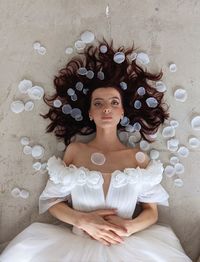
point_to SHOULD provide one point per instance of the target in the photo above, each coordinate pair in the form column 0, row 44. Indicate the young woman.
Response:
column 97, row 185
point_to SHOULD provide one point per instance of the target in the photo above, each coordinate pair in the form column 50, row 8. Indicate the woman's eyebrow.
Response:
column 114, row 97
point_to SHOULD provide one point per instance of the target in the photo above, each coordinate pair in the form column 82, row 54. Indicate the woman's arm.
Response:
column 66, row 214
column 60, row 210
column 149, row 215
column 146, row 218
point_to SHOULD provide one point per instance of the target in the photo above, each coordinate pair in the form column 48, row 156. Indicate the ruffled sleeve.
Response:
column 58, row 188
column 151, row 191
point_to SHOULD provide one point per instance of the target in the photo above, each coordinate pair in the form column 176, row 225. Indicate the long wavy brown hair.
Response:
column 65, row 126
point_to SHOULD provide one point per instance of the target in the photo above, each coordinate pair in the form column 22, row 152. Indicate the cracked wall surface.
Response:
column 168, row 31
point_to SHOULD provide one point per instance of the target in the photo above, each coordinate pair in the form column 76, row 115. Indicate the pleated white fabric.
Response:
column 51, row 243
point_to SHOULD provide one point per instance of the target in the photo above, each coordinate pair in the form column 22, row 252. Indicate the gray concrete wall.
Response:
column 167, row 30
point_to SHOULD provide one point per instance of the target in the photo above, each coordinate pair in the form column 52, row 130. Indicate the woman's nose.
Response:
column 107, row 110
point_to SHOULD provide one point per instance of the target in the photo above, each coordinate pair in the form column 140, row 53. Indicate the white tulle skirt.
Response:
column 51, row 243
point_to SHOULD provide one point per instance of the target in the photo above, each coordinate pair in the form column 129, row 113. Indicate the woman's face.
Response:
column 106, row 107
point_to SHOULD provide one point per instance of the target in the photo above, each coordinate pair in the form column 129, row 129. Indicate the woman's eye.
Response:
column 100, row 104
column 97, row 104
column 115, row 102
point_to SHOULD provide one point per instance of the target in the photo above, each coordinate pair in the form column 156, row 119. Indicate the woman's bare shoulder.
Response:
column 75, row 145
column 71, row 151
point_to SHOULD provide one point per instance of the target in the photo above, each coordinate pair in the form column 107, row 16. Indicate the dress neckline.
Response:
column 106, row 196
column 111, row 173
column 54, row 163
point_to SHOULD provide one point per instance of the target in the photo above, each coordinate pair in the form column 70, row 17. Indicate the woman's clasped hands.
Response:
column 105, row 226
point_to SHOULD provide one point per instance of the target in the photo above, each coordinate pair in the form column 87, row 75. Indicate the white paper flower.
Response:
column 119, row 179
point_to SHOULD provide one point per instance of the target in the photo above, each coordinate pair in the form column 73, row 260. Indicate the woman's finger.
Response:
column 103, row 241
column 112, row 235
column 110, row 240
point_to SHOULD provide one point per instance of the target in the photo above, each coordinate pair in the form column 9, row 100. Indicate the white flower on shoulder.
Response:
column 94, row 179
column 59, row 172
column 132, row 175
column 129, row 176
column 119, row 179
column 81, row 177
column 71, row 175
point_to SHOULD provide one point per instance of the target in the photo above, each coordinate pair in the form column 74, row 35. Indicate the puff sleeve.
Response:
column 151, row 191
column 58, row 188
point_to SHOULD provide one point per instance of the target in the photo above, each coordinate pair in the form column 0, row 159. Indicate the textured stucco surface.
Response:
column 167, row 30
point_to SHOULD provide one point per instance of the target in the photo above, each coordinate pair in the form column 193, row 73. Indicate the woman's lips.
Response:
column 106, row 117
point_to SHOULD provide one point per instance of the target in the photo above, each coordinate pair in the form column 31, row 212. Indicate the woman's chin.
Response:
column 107, row 123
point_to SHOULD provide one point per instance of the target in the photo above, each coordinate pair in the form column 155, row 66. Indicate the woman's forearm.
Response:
column 66, row 214
column 146, row 218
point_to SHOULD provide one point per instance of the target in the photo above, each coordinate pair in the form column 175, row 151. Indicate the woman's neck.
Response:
column 106, row 140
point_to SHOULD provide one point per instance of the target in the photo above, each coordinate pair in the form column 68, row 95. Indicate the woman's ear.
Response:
column 90, row 117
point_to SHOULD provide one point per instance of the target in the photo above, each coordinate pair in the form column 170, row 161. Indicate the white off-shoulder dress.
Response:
column 42, row 242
